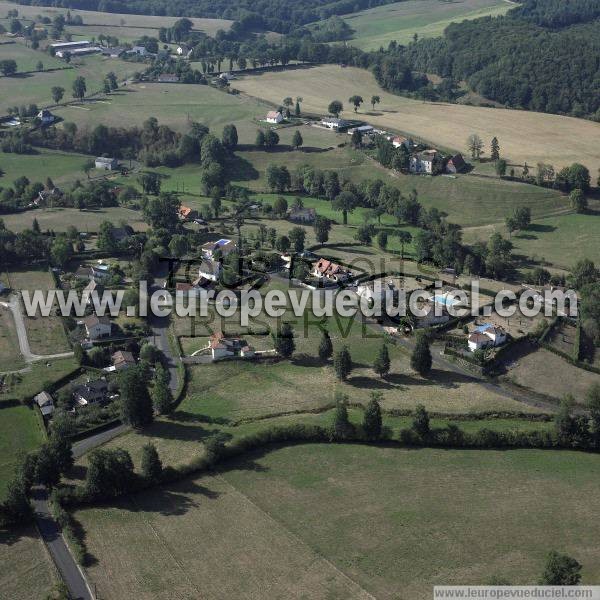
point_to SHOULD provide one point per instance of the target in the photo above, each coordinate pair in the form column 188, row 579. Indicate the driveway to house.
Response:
column 14, row 305
column 70, row 571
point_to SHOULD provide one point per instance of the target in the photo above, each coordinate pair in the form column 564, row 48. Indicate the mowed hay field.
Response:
column 27, row 570
column 20, row 432
column 399, row 21
column 175, row 105
column 59, row 219
column 93, row 19
column 552, row 375
column 524, row 136
column 349, row 521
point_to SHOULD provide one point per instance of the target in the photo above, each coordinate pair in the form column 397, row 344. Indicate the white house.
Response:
column 487, row 335
column 274, row 116
column 234, row 347
column 106, row 163
column 423, row 162
column 45, row 402
column 334, row 123
column 225, row 246
column 183, row 50
column 209, row 271
column 45, row 117
column 96, row 327
column 227, row 76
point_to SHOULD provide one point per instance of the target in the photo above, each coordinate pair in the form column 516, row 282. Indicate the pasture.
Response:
column 59, row 219
column 10, row 359
column 20, row 432
column 400, row 21
column 340, row 521
column 36, row 87
column 113, row 21
column 28, row 572
column 549, row 374
column 27, row 58
column 62, row 167
column 524, row 136
column 561, row 239
column 172, row 104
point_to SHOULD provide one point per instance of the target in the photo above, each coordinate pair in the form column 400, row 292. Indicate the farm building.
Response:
column 106, row 163
column 233, row 347
column 302, row 215
column 224, row 246
column 45, row 402
column 363, row 129
column 168, row 78
column 325, row 269
column 334, row 123
column 487, row 335
column 46, row 117
column 274, row 116
column 79, row 51
column 70, row 46
column 138, row 50
column 456, row 164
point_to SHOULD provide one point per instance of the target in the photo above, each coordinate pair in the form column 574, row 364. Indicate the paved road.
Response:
column 14, row 305
column 66, row 564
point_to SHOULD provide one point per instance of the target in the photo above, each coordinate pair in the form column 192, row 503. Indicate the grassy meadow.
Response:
column 400, row 21
column 339, row 521
column 524, row 136
column 28, row 572
column 20, row 432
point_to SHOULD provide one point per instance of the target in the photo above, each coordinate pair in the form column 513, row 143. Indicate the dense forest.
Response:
column 544, row 56
column 274, row 15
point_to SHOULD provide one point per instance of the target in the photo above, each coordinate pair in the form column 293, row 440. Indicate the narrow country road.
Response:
column 14, row 305
column 49, row 529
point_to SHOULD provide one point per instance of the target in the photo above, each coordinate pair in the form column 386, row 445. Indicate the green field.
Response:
column 427, row 18
column 338, row 521
column 10, row 359
column 560, row 240
column 59, row 219
column 19, row 433
column 36, row 87
column 27, row 58
column 62, row 167
column 172, row 104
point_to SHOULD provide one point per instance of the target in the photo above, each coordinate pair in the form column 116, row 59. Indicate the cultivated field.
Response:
column 341, row 521
column 524, row 136
column 427, row 18
column 27, row 570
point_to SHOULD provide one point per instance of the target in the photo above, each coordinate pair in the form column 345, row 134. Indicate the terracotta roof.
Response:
column 478, row 337
column 272, row 114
